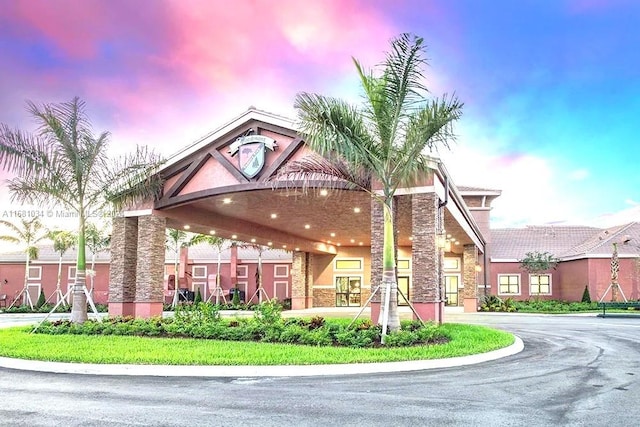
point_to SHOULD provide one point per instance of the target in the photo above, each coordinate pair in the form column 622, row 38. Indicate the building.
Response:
column 330, row 241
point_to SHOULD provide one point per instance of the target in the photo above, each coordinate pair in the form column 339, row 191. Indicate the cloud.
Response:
column 579, row 174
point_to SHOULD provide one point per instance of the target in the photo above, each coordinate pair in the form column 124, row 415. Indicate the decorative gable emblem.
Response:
column 251, row 151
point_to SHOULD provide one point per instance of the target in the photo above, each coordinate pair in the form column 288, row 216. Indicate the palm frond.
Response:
column 131, row 178
column 331, row 127
column 39, row 191
column 325, row 172
column 21, row 152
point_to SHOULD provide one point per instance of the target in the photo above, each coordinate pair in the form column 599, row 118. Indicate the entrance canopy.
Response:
column 222, row 185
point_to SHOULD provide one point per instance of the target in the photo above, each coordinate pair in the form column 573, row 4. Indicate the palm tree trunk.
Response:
column 93, row 271
column 175, row 279
column 26, row 298
column 79, row 308
column 218, row 287
column 390, row 318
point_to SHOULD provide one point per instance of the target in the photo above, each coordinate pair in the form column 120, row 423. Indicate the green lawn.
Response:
column 19, row 343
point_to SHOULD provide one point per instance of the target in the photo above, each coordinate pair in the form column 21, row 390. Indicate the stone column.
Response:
column 122, row 270
column 150, row 266
column 301, row 281
column 427, row 257
column 377, row 244
column 470, row 278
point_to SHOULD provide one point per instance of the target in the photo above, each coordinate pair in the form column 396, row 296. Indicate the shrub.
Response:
column 41, row 299
column 495, row 303
column 198, row 298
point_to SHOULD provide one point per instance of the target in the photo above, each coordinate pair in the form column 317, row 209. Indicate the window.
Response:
column 199, row 271
column 280, row 271
column 35, row 273
column 540, row 284
column 404, row 264
column 348, row 291
column 242, row 271
column 509, row 284
column 72, row 273
column 353, row 264
column 451, row 264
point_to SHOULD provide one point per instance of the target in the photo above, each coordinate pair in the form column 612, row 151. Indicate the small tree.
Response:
column 41, row 299
column 586, row 296
column 538, row 262
column 198, row 298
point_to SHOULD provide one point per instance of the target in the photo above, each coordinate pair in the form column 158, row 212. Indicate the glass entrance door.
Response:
column 348, row 291
column 451, row 282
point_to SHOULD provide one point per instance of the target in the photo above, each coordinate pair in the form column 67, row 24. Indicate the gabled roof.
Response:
column 514, row 243
column 565, row 242
column 602, row 242
column 251, row 114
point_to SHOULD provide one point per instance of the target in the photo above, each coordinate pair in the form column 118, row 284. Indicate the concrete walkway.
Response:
column 8, row 320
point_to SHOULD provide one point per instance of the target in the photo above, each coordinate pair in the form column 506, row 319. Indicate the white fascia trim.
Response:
column 503, row 260
column 248, row 115
column 140, row 212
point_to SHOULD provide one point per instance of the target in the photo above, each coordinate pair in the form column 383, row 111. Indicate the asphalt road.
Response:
column 574, row 371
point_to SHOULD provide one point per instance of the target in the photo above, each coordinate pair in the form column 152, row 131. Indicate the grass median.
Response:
column 17, row 342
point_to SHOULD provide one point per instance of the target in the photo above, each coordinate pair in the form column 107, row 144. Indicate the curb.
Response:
column 257, row 371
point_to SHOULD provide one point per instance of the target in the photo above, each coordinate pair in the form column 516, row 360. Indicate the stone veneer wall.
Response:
column 301, row 280
column 377, row 242
column 122, row 271
column 469, row 275
column 426, row 275
column 151, row 254
column 324, row 297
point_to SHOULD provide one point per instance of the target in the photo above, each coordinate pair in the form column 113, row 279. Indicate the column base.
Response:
column 121, row 309
column 146, row 310
column 300, row 303
column 470, row 305
column 430, row 311
column 375, row 312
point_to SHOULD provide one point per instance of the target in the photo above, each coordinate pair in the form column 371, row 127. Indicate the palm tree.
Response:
column 383, row 141
column 218, row 243
column 62, row 241
column 175, row 240
column 97, row 240
column 64, row 164
column 29, row 233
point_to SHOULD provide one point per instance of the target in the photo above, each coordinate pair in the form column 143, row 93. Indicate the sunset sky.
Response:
column 551, row 88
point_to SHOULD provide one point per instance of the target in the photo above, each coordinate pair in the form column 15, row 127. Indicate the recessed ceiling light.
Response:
column 270, row 243
column 226, row 200
column 212, row 231
column 360, row 243
column 284, row 246
column 338, row 244
column 356, row 210
column 328, row 241
column 274, row 215
column 234, row 236
column 307, row 226
column 333, row 234
column 323, row 192
column 186, row 227
column 353, row 240
column 253, row 240
column 411, row 238
column 297, row 249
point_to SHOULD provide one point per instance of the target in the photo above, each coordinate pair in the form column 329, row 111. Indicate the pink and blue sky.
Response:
column 551, row 87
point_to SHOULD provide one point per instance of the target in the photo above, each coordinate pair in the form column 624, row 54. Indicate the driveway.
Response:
column 574, row 370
